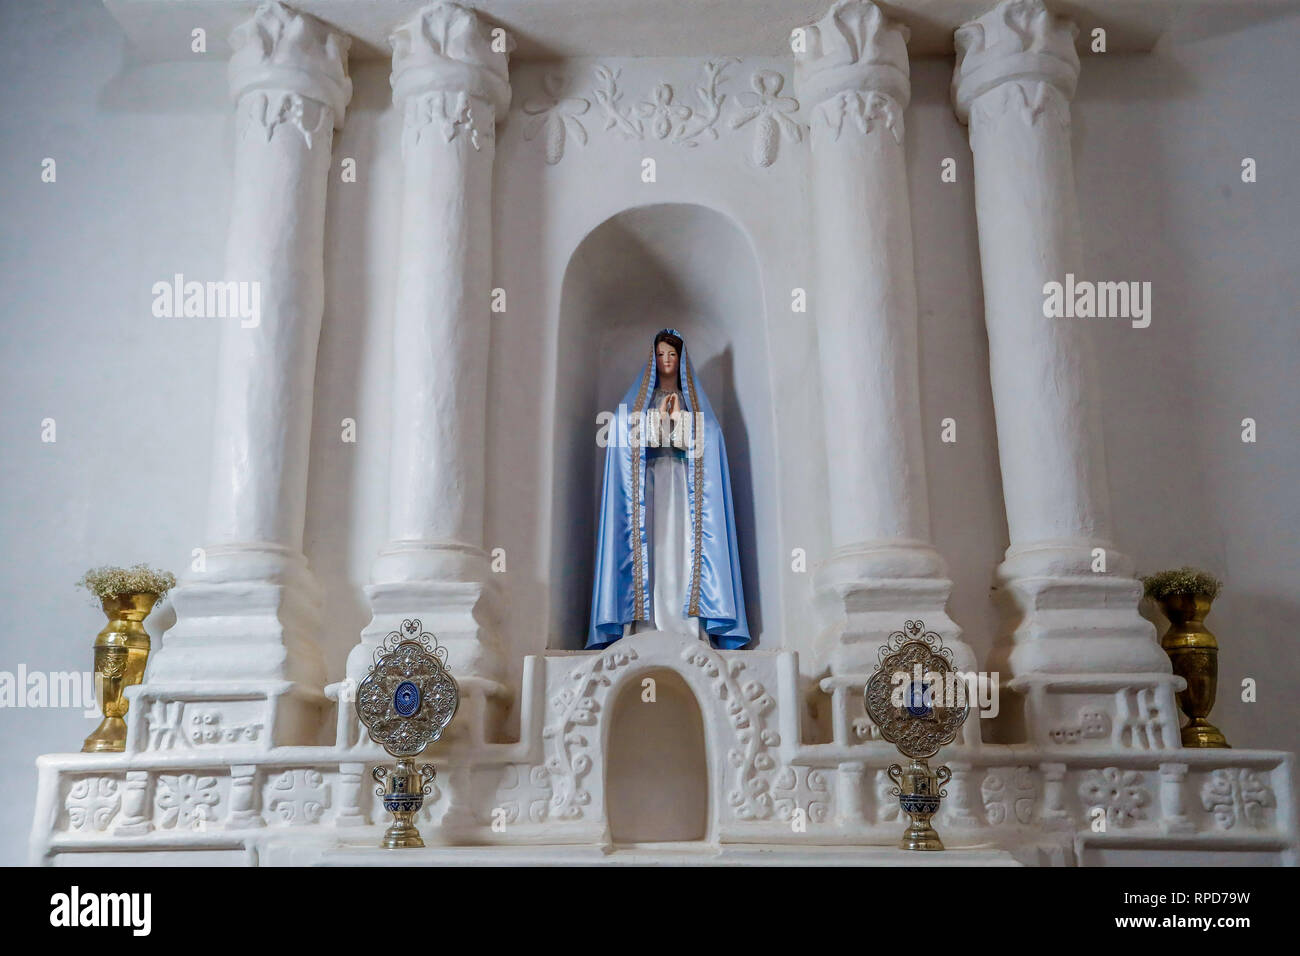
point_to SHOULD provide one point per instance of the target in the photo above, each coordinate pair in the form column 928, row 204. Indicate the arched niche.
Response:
column 674, row 265
column 656, row 763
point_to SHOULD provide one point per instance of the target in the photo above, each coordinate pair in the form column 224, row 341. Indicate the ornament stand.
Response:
column 791, row 167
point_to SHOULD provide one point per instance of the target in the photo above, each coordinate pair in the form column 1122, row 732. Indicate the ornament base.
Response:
column 401, row 835
column 920, row 837
column 1201, row 733
column 108, row 737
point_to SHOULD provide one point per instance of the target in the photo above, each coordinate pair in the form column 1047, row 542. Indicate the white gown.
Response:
column 668, row 526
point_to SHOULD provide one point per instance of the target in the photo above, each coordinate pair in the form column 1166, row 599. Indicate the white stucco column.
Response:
column 1080, row 641
column 246, row 620
column 450, row 82
column 853, row 77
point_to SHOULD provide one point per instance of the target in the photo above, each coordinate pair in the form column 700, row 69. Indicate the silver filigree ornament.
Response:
column 918, row 703
column 406, row 701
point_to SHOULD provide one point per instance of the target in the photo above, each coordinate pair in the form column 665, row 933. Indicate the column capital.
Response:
column 279, row 49
column 1018, row 40
column 447, row 48
column 854, row 48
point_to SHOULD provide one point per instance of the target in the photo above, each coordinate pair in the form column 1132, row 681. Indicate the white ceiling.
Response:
column 161, row 29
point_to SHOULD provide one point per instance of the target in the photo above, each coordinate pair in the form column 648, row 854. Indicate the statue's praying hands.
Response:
column 672, row 422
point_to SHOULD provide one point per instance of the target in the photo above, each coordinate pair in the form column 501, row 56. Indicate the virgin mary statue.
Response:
column 666, row 554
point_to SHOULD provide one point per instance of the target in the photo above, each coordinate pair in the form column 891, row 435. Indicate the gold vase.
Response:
column 121, row 652
column 1194, row 652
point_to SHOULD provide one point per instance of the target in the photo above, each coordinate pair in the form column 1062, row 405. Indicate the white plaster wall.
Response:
column 1158, row 163
column 143, row 182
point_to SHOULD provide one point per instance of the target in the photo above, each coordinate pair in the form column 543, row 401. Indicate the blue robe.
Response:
column 622, row 591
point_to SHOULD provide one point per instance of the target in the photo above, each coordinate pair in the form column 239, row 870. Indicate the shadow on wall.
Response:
column 668, row 265
column 346, row 359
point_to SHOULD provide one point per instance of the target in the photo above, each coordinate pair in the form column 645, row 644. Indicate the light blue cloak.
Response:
column 621, row 593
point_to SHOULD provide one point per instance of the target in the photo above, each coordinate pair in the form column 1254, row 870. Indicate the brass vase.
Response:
column 1195, row 656
column 919, row 791
column 403, row 796
column 121, row 652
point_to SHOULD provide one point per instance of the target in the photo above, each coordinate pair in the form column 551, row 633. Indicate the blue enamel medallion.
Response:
column 406, row 699
column 917, row 699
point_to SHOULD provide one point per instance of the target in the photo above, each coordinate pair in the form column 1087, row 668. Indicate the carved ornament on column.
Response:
column 290, row 71
column 855, row 68
column 447, row 76
column 1023, row 57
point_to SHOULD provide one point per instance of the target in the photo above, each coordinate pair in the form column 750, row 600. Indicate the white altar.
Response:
column 554, row 213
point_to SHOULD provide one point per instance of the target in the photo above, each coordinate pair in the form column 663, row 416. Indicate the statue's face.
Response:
column 667, row 359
